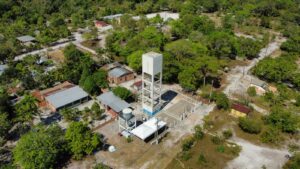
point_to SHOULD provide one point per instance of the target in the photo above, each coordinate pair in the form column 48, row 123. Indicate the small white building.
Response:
column 149, row 129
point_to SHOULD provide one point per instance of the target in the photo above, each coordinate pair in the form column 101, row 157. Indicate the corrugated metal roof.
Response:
column 26, row 38
column 258, row 82
column 66, row 97
column 112, row 16
column 113, row 101
column 118, row 72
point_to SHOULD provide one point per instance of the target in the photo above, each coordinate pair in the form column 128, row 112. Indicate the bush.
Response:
column 251, row 91
column 216, row 140
column 249, row 125
column 271, row 135
column 122, row 92
column 186, row 155
column 221, row 100
column 201, row 159
column 187, row 144
column 199, row 134
column 100, row 166
column 227, row 134
column 284, row 120
column 297, row 101
column 220, row 149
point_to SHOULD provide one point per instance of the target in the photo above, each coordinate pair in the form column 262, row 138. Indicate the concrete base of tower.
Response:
column 149, row 113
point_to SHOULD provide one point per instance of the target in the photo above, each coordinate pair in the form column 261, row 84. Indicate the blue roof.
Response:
column 113, row 101
column 118, row 72
column 65, row 97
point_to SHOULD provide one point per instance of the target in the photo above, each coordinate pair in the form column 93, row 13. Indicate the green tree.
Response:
column 97, row 111
column 222, row 45
column 284, row 120
column 134, row 60
column 27, row 108
column 5, row 125
column 248, row 48
column 90, row 85
column 43, row 147
column 277, row 69
column 122, row 92
column 207, row 65
column 182, row 49
column 81, row 140
column 188, row 79
column 100, row 78
column 70, row 114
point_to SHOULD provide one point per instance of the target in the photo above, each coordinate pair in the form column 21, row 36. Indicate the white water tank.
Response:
column 127, row 113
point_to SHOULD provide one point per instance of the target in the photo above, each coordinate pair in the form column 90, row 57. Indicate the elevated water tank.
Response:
column 127, row 113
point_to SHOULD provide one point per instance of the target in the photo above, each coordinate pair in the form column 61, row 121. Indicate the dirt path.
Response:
column 236, row 75
column 254, row 157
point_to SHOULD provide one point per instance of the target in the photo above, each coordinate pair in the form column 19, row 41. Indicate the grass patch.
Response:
column 205, row 154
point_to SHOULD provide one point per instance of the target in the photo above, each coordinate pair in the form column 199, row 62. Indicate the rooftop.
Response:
column 118, row 72
column 241, row 108
column 110, row 66
column 26, row 38
column 113, row 101
column 101, row 23
column 258, row 82
column 152, row 54
column 113, row 16
column 148, row 128
column 66, row 97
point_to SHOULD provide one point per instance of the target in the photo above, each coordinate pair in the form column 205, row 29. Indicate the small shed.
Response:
column 260, row 86
column 239, row 110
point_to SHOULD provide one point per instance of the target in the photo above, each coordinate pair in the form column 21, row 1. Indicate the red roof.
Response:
column 241, row 108
column 138, row 83
column 100, row 24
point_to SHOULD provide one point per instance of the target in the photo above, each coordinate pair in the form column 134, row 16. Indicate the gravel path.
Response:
column 254, row 157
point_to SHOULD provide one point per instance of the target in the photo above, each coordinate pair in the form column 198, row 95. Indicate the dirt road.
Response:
column 254, row 157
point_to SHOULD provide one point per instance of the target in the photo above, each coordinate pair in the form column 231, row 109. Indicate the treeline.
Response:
column 194, row 49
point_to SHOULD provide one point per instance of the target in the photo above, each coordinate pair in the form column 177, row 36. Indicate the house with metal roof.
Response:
column 66, row 97
column 26, row 40
column 119, row 75
column 112, row 103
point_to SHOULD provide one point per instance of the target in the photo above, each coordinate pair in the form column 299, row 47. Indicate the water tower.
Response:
column 152, row 79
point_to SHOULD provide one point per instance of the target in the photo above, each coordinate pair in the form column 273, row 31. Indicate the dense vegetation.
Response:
column 197, row 50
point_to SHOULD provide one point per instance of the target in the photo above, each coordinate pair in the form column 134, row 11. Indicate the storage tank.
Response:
column 127, row 113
